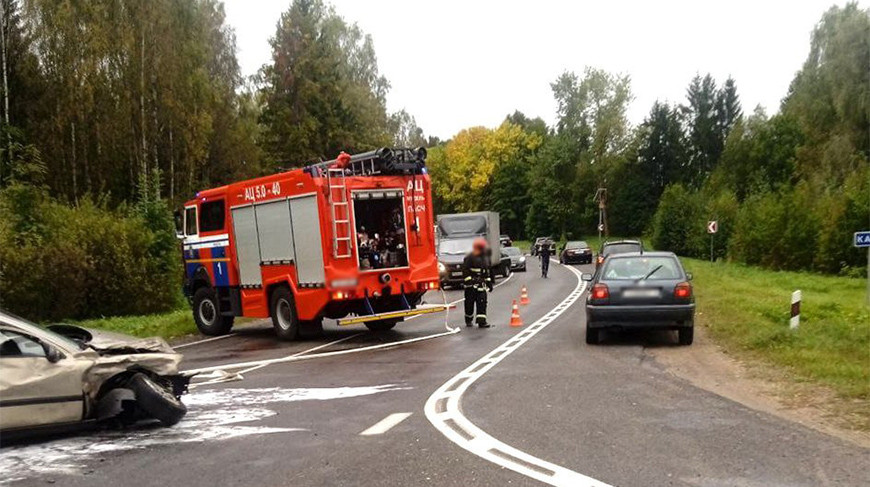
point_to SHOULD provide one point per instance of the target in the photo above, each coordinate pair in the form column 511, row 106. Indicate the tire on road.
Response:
column 282, row 308
column 156, row 400
column 311, row 328
column 207, row 315
column 381, row 325
column 686, row 335
column 592, row 335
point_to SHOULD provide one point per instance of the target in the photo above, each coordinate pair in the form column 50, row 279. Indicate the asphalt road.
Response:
column 607, row 412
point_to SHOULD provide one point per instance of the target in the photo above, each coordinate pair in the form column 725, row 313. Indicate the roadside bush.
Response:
column 840, row 215
column 674, row 222
column 85, row 260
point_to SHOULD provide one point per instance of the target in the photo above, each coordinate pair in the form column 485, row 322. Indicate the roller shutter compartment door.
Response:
column 275, row 232
column 247, row 246
column 307, row 235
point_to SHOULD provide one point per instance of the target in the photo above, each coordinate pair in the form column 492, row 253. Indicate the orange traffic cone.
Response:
column 524, row 297
column 516, row 321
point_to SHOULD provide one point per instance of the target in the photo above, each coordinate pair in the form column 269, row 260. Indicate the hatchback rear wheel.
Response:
column 591, row 335
column 686, row 335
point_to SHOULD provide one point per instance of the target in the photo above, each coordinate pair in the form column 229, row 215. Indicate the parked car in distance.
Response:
column 576, row 252
column 518, row 260
column 505, row 241
column 609, row 248
column 504, row 267
column 539, row 242
column 61, row 377
column 649, row 290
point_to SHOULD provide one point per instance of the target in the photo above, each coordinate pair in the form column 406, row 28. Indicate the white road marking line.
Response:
column 444, row 412
column 253, row 363
column 385, row 424
column 203, row 341
column 240, row 374
column 306, row 352
column 257, row 364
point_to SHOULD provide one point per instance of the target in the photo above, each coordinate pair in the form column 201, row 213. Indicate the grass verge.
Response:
column 167, row 325
column 747, row 310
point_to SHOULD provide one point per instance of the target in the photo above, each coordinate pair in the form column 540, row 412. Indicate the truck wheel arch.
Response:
column 274, row 286
column 200, row 279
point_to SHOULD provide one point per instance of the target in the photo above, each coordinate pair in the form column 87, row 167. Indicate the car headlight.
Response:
column 522, row 259
column 441, row 267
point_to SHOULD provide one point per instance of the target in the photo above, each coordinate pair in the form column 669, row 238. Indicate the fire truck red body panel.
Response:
column 301, row 209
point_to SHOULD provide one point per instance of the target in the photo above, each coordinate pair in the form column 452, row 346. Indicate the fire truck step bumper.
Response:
column 389, row 315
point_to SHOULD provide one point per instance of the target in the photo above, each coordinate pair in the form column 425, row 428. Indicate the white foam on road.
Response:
column 214, row 415
column 444, row 411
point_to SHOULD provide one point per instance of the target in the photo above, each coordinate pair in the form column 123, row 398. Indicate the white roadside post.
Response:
column 712, row 228
column 862, row 240
column 795, row 320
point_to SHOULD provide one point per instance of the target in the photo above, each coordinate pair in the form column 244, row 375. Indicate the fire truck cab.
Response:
column 348, row 239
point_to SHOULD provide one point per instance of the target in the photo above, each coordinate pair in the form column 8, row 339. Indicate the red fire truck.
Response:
column 349, row 239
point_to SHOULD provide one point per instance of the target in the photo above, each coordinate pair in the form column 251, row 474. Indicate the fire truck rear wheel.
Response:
column 284, row 317
column 382, row 325
column 206, row 313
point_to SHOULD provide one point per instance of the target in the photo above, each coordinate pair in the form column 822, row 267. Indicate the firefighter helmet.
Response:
column 479, row 244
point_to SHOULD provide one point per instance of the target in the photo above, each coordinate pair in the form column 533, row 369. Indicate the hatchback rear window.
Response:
column 621, row 248
column 632, row 268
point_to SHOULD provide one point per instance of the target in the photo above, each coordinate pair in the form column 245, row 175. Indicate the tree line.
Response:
column 787, row 189
column 115, row 111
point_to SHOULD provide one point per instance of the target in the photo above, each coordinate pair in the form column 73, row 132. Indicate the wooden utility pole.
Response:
column 601, row 198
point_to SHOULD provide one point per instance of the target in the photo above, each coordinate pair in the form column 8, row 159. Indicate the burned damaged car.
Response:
column 63, row 376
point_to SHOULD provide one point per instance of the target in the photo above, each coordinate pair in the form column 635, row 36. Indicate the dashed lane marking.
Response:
column 385, row 424
column 444, row 412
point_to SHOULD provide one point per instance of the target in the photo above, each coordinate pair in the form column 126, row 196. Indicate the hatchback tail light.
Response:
column 683, row 290
column 600, row 292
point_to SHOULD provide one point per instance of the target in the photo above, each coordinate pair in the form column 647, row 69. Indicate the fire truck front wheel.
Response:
column 207, row 315
column 284, row 317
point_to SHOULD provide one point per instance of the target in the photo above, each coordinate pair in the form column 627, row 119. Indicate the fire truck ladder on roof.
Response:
column 342, row 242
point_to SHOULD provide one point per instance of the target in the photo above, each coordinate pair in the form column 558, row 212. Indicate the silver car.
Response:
column 518, row 260
column 63, row 376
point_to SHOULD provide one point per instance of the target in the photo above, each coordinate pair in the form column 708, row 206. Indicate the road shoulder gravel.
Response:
column 757, row 386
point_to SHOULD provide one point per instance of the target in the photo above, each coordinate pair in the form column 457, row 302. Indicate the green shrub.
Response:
column 85, row 260
column 673, row 226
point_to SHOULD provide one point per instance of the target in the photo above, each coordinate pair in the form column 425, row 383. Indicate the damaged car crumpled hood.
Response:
column 117, row 353
column 120, row 352
column 109, row 343
column 109, row 365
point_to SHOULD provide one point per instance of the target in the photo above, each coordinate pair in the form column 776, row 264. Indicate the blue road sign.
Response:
column 862, row 239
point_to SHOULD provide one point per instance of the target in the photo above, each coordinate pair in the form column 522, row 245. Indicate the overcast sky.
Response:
column 454, row 64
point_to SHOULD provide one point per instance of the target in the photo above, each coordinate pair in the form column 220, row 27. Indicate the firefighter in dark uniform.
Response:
column 477, row 281
column 544, row 255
